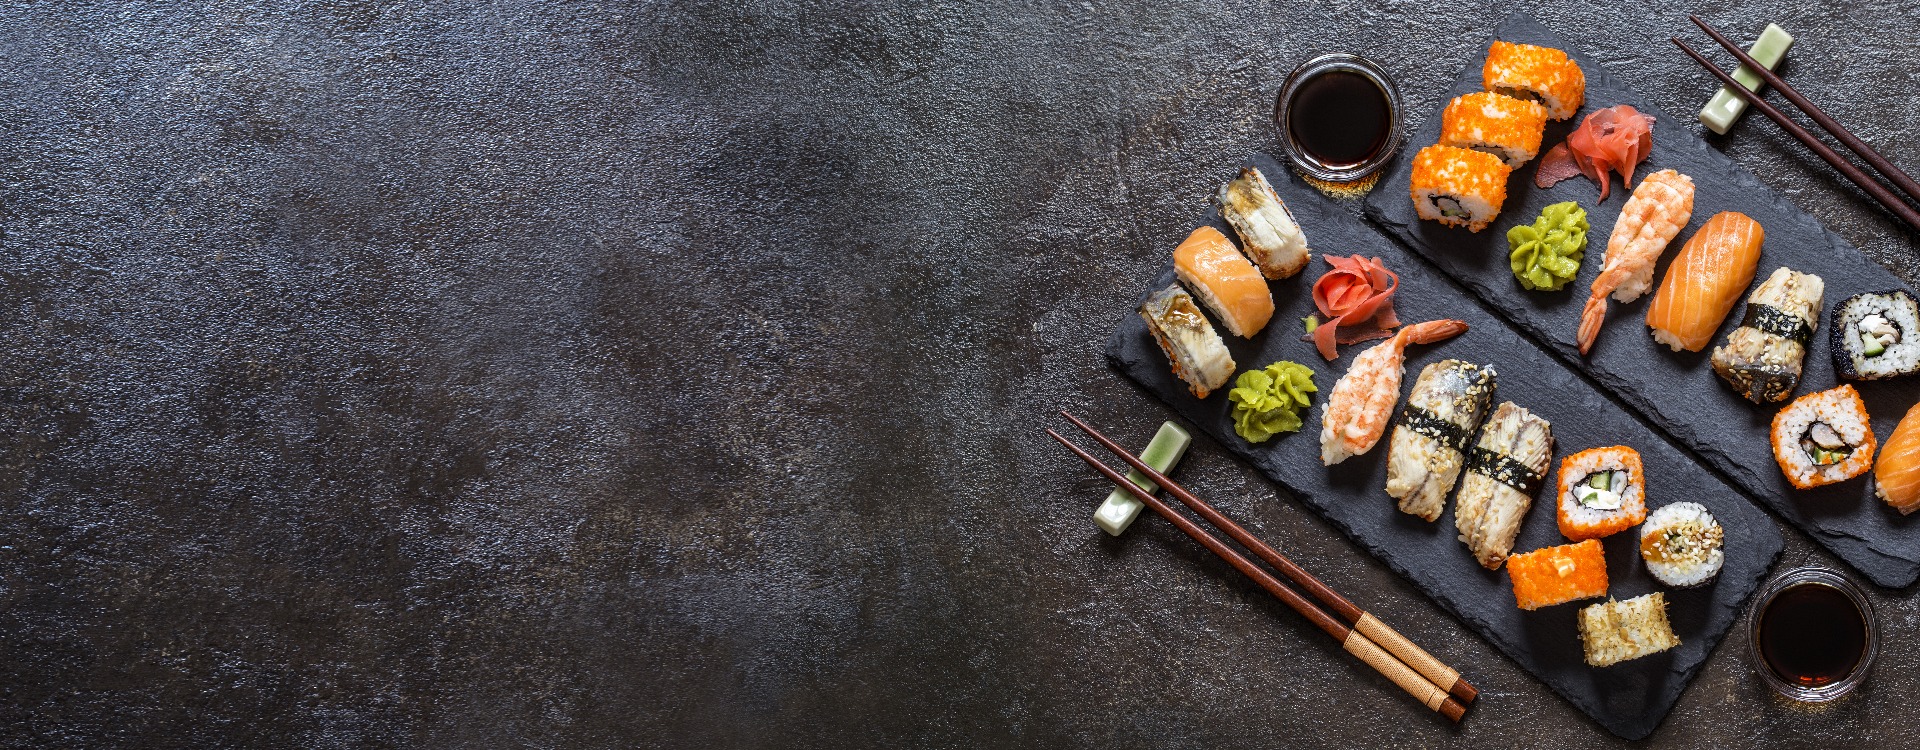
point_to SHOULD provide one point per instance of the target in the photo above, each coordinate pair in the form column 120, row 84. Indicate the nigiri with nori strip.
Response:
column 1705, row 280
column 1268, row 233
column 1196, row 352
column 1429, row 445
column 1762, row 359
column 1224, row 281
column 1896, row 477
column 1504, row 470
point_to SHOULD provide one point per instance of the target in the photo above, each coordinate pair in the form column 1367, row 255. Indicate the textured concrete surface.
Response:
column 576, row 374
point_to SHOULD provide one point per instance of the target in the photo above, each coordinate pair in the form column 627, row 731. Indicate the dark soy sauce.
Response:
column 1339, row 118
column 1811, row 635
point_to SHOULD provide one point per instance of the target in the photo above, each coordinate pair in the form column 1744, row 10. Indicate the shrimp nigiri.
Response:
column 1652, row 217
column 1705, row 280
column 1361, row 403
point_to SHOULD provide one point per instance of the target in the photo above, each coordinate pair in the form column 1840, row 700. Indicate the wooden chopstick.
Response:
column 1352, row 640
column 1372, row 627
column 1893, row 173
column 1873, row 187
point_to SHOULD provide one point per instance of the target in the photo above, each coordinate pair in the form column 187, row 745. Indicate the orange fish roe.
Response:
column 1543, row 74
column 1499, row 125
column 1556, row 575
column 1476, row 179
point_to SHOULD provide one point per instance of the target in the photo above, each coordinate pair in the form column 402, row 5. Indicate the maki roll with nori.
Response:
column 1822, row 438
column 1458, row 187
column 1876, row 335
column 1762, row 358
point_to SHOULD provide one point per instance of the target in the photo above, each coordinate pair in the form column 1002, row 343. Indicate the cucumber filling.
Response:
column 1824, row 445
column 1449, row 207
column 1601, row 490
column 1876, row 334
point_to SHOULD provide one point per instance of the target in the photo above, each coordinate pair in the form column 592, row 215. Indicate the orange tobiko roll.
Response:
column 1557, row 575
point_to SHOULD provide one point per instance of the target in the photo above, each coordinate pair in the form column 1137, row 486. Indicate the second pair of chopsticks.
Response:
column 1438, row 686
column 1859, row 177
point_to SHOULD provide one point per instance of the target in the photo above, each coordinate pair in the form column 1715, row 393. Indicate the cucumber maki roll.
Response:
column 1876, row 335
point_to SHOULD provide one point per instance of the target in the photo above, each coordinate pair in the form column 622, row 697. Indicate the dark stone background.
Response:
column 585, row 374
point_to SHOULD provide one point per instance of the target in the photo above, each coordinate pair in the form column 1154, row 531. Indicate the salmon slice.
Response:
column 1224, row 280
column 1896, row 478
column 1706, row 279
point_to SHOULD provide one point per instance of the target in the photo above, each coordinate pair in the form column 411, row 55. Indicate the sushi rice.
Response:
column 1682, row 545
column 1876, row 335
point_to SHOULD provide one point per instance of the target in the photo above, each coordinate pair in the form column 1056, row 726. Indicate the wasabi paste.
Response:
column 1268, row 402
column 1547, row 255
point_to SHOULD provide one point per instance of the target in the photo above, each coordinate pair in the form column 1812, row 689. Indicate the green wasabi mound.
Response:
column 1547, row 255
column 1268, row 402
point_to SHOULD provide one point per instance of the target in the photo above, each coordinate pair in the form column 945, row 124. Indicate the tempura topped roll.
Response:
column 1540, row 74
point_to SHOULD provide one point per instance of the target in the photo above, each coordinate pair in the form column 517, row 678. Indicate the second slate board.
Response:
column 1628, row 699
column 1678, row 391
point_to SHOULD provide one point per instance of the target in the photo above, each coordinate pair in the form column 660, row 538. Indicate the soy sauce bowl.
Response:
column 1303, row 159
column 1812, row 691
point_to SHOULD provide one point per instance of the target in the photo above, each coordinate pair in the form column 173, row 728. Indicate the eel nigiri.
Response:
column 1652, row 217
column 1705, row 280
column 1896, row 478
column 1504, row 470
column 1268, row 233
column 1762, row 358
column 1196, row 352
column 1216, row 272
column 1362, row 400
column 1429, row 445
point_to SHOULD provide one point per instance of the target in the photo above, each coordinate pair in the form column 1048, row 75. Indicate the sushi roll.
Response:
column 1705, row 280
column 1762, row 358
column 1618, row 631
column 1823, row 437
column 1601, row 491
column 1557, row 575
column 1458, row 187
column 1682, row 545
column 1224, row 281
column 1268, row 233
column 1876, row 335
column 1198, row 355
column 1429, row 445
column 1500, row 125
column 1504, row 470
column 1896, row 477
column 1536, row 74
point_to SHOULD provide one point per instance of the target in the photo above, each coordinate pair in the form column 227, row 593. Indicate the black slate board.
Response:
column 1628, row 699
column 1677, row 391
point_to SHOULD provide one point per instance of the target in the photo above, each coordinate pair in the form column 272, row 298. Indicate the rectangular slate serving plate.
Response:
column 1678, row 391
column 1628, row 699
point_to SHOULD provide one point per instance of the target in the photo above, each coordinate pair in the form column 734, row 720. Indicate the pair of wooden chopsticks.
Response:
column 1859, row 177
column 1434, row 683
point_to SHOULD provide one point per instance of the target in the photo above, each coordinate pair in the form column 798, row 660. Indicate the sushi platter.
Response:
column 1635, row 689
column 1678, row 391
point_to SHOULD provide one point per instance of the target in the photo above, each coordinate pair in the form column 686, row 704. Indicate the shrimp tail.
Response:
column 1590, row 320
column 1432, row 331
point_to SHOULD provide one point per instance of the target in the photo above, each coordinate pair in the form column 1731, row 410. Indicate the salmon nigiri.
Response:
column 1705, row 280
column 1896, row 478
column 1216, row 272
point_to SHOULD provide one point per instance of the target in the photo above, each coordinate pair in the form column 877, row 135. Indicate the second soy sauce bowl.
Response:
column 1807, row 658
